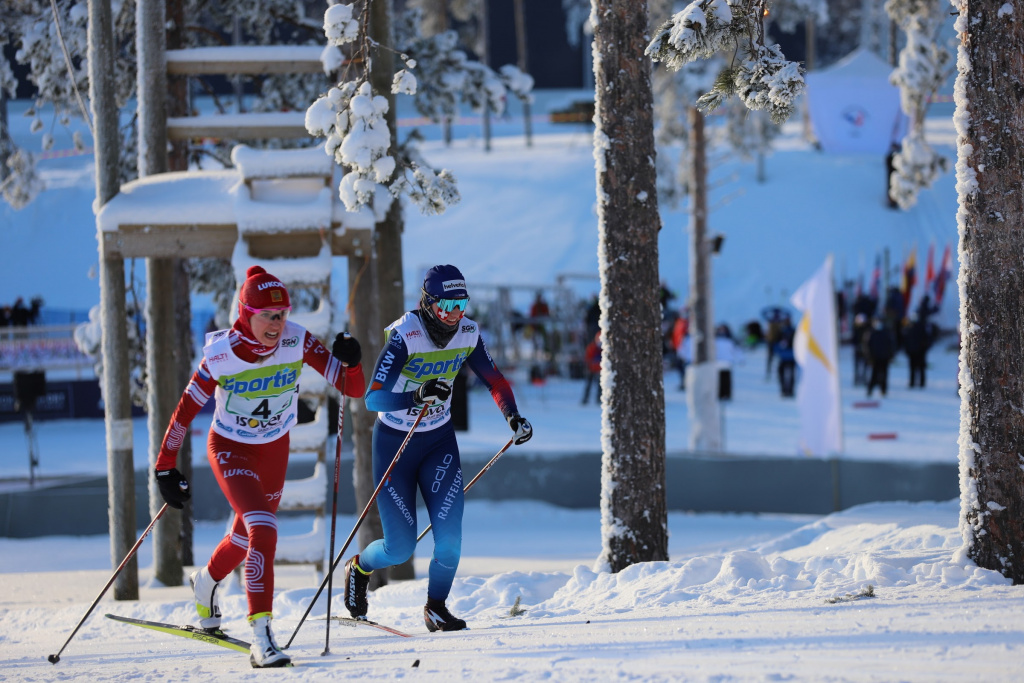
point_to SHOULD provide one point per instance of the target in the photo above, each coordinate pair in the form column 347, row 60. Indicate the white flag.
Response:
column 817, row 354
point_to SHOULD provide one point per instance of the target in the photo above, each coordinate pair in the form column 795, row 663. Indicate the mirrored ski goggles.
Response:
column 449, row 305
column 269, row 314
column 446, row 305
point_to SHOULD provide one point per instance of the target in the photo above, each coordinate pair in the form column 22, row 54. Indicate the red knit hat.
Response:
column 263, row 290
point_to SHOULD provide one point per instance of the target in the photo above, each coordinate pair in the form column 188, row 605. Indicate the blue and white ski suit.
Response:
column 431, row 458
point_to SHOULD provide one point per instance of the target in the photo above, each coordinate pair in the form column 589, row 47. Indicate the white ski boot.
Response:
column 264, row 652
column 205, row 590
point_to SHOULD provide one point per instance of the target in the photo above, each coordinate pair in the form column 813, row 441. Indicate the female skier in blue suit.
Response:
column 424, row 350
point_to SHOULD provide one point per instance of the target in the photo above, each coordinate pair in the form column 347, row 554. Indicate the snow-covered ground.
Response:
column 744, row 597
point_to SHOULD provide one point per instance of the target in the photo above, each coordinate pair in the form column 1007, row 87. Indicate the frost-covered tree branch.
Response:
column 759, row 74
column 352, row 118
column 923, row 67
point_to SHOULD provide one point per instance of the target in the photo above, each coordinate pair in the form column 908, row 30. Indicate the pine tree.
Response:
column 633, row 510
column 989, row 117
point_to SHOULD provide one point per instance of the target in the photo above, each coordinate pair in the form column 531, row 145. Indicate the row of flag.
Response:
column 934, row 280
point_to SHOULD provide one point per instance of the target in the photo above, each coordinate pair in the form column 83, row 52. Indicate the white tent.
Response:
column 853, row 107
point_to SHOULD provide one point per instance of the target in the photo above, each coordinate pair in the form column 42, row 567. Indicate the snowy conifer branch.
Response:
column 764, row 80
column 923, row 67
column 21, row 183
column 352, row 118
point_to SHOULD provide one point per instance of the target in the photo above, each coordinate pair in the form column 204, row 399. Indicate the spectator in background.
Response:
column 666, row 296
column 592, row 356
column 774, row 316
column 894, row 312
column 539, row 314
column 860, row 361
column 680, row 330
column 787, row 357
column 19, row 313
column 5, row 316
column 880, row 348
column 593, row 316
column 539, row 308
column 925, row 309
column 754, row 334
column 36, row 305
column 727, row 352
column 866, row 305
column 917, row 339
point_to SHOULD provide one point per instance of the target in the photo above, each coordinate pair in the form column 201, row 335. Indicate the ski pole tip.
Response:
column 53, row 659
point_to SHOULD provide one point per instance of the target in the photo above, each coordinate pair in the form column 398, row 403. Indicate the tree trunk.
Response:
column 522, row 62
column 990, row 116
column 5, row 138
column 702, row 375
column 162, row 342
column 365, row 326
column 388, row 242
column 177, row 160
column 485, row 58
column 633, row 512
column 116, row 399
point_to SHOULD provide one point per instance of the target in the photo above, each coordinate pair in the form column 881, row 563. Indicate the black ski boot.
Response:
column 438, row 618
column 355, row 588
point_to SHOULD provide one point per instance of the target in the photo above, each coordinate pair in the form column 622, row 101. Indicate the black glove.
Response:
column 434, row 390
column 521, row 426
column 346, row 349
column 173, row 487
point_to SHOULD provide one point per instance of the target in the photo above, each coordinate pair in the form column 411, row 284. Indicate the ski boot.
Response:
column 438, row 618
column 356, row 581
column 204, row 588
column 264, row 652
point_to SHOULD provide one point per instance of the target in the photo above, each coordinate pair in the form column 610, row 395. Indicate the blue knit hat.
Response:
column 445, row 282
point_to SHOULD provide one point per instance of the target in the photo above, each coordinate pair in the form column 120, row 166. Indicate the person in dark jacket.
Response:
column 880, row 348
column 787, row 357
column 861, row 326
column 917, row 339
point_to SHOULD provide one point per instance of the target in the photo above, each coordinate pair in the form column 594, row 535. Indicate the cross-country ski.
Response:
column 356, row 623
column 216, row 637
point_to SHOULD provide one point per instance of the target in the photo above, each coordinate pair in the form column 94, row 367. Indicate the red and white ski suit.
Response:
column 249, row 441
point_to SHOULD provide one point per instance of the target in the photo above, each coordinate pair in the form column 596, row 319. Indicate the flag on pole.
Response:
column 945, row 268
column 929, row 271
column 817, row 353
column 909, row 278
column 876, row 278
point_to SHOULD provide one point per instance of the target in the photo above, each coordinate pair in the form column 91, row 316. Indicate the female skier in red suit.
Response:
column 252, row 370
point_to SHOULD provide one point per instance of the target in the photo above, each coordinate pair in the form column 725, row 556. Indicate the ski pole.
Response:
column 334, row 509
column 470, row 484
column 351, row 535
column 53, row 659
